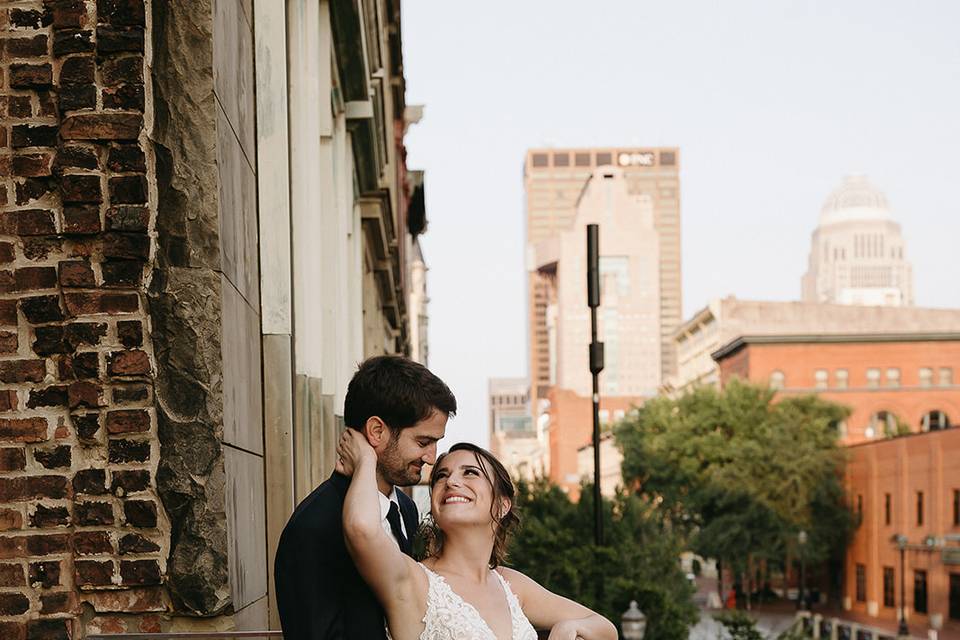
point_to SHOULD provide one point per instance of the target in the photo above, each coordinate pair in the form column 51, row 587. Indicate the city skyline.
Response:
column 764, row 138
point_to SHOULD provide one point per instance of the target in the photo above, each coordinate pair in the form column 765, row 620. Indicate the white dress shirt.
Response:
column 385, row 507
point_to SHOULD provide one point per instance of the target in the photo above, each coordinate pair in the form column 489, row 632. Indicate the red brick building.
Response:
column 903, row 476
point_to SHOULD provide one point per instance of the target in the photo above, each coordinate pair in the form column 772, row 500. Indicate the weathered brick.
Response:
column 22, row 370
column 10, row 519
column 78, row 188
column 122, row 273
column 78, row 70
column 87, row 303
column 68, row 14
column 75, row 156
column 130, row 333
column 107, row 126
column 8, row 398
column 59, row 602
column 127, row 482
column 85, row 333
column 44, row 517
column 12, row 459
column 8, row 313
column 29, row 18
column 9, row 343
column 50, row 340
column 126, row 245
column 34, row 189
column 23, row 429
column 7, row 253
column 46, row 574
column 69, row 41
column 13, row 630
column 136, row 543
column 77, row 97
column 116, row 40
column 33, row 278
column 52, row 396
column 130, row 393
column 48, row 629
column 30, row 76
column 89, row 543
column 127, row 218
column 79, row 366
column 29, row 47
column 87, row 426
column 30, row 135
column 128, row 97
column 54, row 458
column 11, row 547
column 122, row 70
column 90, row 481
column 93, row 572
column 13, row 604
column 122, row 451
column 76, row 273
column 140, row 513
column 31, row 165
column 19, row 107
column 41, row 309
column 11, row 575
column 84, row 393
column 128, row 363
column 139, row 572
column 29, row 222
column 121, row 12
column 82, row 219
column 32, row 487
column 127, row 421
column 41, row 247
column 93, row 514
column 46, row 104
column 128, row 190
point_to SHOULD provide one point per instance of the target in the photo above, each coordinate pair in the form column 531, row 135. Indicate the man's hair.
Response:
column 397, row 390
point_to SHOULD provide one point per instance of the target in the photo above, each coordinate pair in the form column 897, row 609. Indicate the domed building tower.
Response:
column 857, row 253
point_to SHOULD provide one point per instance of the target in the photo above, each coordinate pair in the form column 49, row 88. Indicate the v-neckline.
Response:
column 503, row 587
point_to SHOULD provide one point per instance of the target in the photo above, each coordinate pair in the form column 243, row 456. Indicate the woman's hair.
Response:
column 503, row 525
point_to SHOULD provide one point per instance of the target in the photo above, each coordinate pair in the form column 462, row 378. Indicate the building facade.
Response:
column 515, row 438
column 199, row 245
column 910, row 487
column 857, row 250
column 728, row 318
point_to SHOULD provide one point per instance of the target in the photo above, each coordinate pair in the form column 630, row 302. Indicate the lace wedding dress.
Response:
column 450, row 617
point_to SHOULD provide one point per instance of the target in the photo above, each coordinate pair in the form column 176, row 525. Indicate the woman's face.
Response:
column 462, row 493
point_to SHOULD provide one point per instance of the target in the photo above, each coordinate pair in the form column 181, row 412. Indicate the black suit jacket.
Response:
column 320, row 594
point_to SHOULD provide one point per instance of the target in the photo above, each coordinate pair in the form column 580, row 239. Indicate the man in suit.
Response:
column 402, row 409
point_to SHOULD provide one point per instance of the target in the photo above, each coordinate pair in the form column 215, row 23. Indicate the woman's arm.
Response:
column 377, row 557
column 566, row 619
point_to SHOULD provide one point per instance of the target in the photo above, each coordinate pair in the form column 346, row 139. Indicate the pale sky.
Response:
column 771, row 102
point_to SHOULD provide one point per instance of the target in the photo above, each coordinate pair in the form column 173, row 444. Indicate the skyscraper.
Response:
column 554, row 180
column 857, row 252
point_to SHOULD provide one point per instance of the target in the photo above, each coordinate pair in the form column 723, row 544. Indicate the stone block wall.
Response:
column 81, row 527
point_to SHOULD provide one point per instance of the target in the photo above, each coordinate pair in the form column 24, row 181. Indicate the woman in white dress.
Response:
column 460, row 591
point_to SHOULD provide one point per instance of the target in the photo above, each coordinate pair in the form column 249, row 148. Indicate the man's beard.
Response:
column 393, row 469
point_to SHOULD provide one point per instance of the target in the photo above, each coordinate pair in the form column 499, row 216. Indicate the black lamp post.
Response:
column 596, row 366
column 901, row 541
column 802, row 544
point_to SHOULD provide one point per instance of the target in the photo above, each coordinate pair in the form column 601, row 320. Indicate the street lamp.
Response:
column 901, row 541
column 596, row 366
column 802, row 542
column 633, row 623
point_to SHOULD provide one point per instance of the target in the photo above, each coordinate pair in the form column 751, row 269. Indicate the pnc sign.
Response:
column 636, row 159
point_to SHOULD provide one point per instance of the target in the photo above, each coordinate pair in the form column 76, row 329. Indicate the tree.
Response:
column 739, row 474
column 639, row 562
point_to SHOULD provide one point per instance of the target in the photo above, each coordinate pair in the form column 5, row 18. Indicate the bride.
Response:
column 461, row 591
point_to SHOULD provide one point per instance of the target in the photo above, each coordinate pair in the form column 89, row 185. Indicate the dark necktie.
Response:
column 393, row 517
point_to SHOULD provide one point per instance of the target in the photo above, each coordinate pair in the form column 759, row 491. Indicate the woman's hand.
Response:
column 565, row 630
column 352, row 450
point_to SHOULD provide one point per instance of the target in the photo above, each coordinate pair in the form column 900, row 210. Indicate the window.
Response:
column 919, row 508
column 862, row 585
column 820, row 377
column 919, row 591
column 668, row 158
column 604, row 159
column 934, row 421
column 561, row 159
column 540, row 160
column 842, row 377
column 955, row 596
column 893, row 377
column 777, row 380
column 581, row 159
column 946, row 376
column 887, row 508
column 956, row 507
column 888, row 587
column 873, row 378
column 926, row 377
column 882, row 423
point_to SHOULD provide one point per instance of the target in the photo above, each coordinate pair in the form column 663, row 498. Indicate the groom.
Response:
column 402, row 409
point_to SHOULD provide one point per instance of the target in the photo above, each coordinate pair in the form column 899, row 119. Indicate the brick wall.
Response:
column 79, row 517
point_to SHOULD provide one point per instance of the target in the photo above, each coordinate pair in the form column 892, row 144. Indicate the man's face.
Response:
column 402, row 459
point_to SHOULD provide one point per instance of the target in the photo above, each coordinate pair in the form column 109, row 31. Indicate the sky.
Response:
column 772, row 103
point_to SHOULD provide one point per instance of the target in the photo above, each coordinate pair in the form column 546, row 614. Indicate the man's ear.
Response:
column 377, row 432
